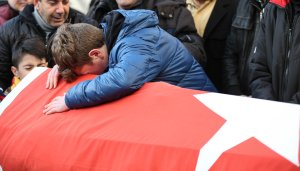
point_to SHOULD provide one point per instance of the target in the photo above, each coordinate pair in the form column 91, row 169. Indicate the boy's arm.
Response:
column 132, row 66
column 53, row 78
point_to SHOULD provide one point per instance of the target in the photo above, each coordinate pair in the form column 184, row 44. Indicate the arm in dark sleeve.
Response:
column 5, row 56
column 231, row 58
column 261, row 81
column 187, row 33
column 176, row 19
column 78, row 17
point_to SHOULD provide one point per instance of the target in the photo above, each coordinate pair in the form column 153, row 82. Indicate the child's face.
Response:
column 27, row 64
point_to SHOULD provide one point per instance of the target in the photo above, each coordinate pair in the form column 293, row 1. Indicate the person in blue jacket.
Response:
column 130, row 50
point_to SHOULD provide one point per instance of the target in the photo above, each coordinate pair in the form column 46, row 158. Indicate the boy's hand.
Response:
column 57, row 105
column 53, row 78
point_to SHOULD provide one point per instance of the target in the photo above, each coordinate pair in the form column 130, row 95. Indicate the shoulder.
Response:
column 78, row 17
column 2, row 3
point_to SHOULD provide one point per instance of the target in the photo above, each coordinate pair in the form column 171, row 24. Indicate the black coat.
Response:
column 25, row 24
column 173, row 16
column 215, row 34
column 276, row 60
column 239, row 46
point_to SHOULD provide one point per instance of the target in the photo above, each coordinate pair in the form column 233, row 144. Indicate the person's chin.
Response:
column 57, row 23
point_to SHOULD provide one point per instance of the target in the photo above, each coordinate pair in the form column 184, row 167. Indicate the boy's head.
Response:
column 27, row 54
column 79, row 49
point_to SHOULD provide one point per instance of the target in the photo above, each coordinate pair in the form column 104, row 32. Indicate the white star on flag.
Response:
column 275, row 124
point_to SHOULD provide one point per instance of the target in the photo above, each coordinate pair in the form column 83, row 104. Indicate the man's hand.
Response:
column 57, row 105
column 53, row 78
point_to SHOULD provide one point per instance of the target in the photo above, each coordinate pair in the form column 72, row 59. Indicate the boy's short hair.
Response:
column 71, row 45
column 34, row 46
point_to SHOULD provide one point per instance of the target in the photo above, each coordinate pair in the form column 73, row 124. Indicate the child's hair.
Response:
column 71, row 45
column 33, row 46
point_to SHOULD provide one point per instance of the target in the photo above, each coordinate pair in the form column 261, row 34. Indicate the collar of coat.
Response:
column 281, row 3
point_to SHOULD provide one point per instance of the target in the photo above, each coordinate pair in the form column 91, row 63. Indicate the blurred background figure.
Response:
column 276, row 60
column 11, row 8
column 173, row 17
column 213, row 20
column 80, row 5
column 239, row 47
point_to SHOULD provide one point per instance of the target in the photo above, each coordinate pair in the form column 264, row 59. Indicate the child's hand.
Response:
column 57, row 105
column 53, row 78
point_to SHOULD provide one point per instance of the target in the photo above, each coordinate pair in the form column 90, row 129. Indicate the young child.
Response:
column 27, row 54
column 132, row 50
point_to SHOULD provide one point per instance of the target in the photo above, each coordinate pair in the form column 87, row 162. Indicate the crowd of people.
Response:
column 238, row 47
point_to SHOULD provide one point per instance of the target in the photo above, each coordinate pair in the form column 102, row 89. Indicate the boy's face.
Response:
column 27, row 64
column 53, row 12
column 98, row 65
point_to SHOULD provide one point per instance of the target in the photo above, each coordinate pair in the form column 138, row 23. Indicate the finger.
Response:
column 50, row 111
column 55, row 79
column 49, row 79
column 46, row 110
column 47, row 82
column 52, row 77
column 51, row 104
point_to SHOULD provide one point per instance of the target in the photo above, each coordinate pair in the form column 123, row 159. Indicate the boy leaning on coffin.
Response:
column 130, row 51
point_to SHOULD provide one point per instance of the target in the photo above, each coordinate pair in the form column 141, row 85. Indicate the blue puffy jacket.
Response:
column 143, row 52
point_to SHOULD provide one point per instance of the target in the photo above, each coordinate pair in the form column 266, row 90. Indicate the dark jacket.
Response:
column 25, row 24
column 173, row 16
column 239, row 46
column 215, row 35
column 142, row 52
column 276, row 60
column 6, row 12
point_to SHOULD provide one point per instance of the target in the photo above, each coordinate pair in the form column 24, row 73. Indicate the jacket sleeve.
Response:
column 78, row 17
column 296, row 98
column 177, row 20
column 261, row 81
column 134, row 66
column 230, row 70
column 5, row 55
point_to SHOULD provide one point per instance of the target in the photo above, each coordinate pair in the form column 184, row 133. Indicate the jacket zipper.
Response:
column 258, row 17
column 286, row 60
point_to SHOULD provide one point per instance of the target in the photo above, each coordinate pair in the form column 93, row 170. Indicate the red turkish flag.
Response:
column 160, row 127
